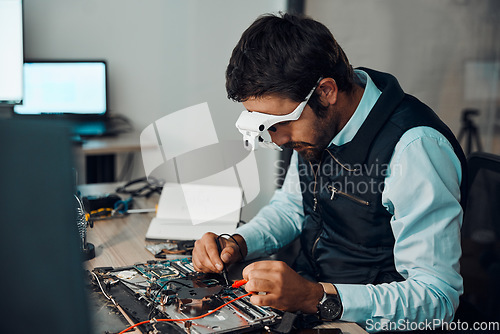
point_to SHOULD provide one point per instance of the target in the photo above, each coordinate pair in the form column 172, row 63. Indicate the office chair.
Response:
column 480, row 262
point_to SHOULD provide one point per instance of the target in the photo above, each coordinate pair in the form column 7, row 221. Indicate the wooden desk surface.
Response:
column 121, row 241
column 121, row 143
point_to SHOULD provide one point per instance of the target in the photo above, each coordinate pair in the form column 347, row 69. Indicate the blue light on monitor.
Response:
column 11, row 52
column 64, row 88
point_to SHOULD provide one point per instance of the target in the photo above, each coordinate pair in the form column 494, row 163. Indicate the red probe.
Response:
column 239, row 283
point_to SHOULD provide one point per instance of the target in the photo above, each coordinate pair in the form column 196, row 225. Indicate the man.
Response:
column 373, row 189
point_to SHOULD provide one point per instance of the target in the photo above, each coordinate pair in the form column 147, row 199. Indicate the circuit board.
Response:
column 172, row 289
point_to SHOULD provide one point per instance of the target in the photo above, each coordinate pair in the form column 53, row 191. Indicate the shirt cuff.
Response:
column 356, row 302
column 253, row 241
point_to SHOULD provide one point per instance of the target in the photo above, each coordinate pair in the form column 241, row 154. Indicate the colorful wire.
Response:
column 182, row 320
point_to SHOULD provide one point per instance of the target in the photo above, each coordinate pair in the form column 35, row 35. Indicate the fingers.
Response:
column 230, row 253
column 275, row 284
column 206, row 255
column 264, row 266
column 264, row 299
column 265, row 277
column 262, row 281
column 266, row 291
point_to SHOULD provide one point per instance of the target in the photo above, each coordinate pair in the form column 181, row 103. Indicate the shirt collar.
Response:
column 368, row 100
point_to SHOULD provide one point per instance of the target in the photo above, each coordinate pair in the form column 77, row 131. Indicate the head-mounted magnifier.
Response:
column 252, row 124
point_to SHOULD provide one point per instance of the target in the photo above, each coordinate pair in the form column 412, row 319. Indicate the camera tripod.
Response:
column 470, row 131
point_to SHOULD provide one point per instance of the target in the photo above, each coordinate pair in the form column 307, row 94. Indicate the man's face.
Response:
column 309, row 135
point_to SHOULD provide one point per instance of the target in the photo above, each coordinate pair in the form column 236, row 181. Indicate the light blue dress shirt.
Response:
column 422, row 192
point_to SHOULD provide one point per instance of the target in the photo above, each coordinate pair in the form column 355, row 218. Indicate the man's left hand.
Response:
column 279, row 286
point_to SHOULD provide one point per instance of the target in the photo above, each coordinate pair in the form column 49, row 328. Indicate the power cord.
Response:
column 141, row 187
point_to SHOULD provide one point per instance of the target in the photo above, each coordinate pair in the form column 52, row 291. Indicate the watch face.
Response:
column 330, row 309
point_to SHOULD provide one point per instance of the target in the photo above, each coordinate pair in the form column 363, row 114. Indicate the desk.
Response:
column 96, row 157
column 120, row 241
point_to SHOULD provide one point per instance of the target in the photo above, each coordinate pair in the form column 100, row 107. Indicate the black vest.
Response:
column 348, row 238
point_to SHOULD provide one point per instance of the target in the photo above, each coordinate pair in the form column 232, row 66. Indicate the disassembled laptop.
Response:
column 172, row 289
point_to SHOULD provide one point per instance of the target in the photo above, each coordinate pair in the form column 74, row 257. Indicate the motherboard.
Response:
column 171, row 297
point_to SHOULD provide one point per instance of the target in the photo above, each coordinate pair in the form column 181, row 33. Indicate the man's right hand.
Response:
column 206, row 256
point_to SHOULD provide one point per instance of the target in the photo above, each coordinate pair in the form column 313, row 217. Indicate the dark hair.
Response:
column 285, row 55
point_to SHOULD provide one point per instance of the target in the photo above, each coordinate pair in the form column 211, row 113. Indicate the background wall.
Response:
column 163, row 56
column 426, row 44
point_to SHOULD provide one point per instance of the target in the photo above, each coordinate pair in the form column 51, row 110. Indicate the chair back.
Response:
column 480, row 262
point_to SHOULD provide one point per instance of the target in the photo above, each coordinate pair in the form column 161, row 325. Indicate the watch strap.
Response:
column 328, row 288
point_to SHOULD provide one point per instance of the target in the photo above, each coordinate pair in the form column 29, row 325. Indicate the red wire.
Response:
column 187, row 319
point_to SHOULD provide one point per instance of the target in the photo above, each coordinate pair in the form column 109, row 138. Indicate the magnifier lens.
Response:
column 265, row 136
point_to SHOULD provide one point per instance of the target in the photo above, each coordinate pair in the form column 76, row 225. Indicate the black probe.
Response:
column 224, row 271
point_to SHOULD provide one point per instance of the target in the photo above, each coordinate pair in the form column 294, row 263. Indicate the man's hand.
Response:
column 284, row 289
column 206, row 256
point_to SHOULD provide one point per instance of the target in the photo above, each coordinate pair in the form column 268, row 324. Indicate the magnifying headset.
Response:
column 254, row 125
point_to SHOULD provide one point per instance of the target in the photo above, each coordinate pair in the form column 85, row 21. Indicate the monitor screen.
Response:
column 76, row 87
column 11, row 52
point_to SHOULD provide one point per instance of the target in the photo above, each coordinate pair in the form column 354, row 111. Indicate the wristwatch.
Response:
column 330, row 306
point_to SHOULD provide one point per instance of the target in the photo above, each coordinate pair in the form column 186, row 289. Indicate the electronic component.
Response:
column 82, row 221
column 92, row 203
column 164, row 272
column 172, row 289
column 239, row 283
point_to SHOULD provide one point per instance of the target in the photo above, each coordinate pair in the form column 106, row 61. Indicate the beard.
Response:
column 323, row 130
column 307, row 151
column 312, row 154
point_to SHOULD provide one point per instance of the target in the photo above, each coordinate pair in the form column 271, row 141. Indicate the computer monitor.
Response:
column 42, row 274
column 11, row 54
column 68, row 88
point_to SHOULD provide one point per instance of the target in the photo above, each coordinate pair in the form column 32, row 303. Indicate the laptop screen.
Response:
column 76, row 87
